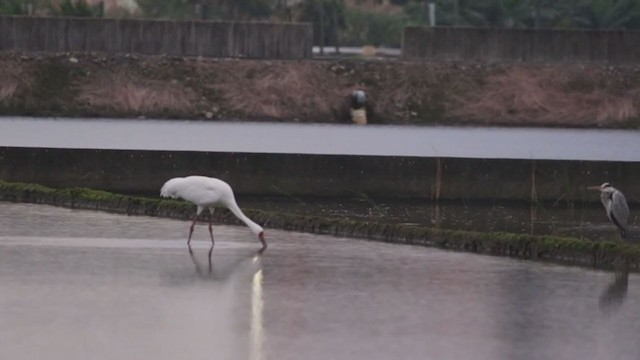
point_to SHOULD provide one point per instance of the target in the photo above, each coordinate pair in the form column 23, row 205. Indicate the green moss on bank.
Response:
column 564, row 250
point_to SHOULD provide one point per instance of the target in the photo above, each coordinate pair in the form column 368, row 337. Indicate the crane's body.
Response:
column 616, row 207
column 208, row 193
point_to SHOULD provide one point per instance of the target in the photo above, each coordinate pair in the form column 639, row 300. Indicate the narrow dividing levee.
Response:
column 564, row 250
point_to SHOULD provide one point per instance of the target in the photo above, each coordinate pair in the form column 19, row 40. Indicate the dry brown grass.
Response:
column 278, row 90
column 400, row 89
column 316, row 91
column 542, row 96
column 14, row 78
column 7, row 89
column 127, row 93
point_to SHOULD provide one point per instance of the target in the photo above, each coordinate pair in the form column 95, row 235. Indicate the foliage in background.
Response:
column 372, row 29
column 356, row 22
column 328, row 18
column 363, row 27
column 11, row 7
column 78, row 8
column 592, row 14
column 172, row 9
column 248, row 9
column 17, row 7
column 216, row 10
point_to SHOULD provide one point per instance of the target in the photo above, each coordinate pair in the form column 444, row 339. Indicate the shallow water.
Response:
column 90, row 285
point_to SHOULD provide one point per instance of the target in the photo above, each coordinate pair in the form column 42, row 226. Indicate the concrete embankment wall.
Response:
column 529, row 45
column 157, row 37
column 144, row 172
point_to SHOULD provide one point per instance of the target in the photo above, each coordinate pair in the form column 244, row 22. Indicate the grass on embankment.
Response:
column 400, row 92
column 604, row 255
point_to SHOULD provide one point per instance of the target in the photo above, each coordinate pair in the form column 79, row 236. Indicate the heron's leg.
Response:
column 193, row 224
column 210, row 262
column 211, row 209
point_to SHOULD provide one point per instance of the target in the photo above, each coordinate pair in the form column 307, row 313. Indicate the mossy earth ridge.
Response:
column 562, row 250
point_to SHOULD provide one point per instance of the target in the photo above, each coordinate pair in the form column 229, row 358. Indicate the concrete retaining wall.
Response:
column 497, row 45
column 156, row 37
column 144, row 172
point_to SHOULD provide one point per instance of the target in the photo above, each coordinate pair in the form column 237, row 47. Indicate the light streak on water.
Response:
column 257, row 327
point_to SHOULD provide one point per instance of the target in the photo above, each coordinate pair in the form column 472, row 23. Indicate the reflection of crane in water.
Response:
column 197, row 264
column 615, row 205
column 244, row 265
column 209, row 193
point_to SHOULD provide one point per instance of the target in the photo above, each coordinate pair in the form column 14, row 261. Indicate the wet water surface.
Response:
column 89, row 285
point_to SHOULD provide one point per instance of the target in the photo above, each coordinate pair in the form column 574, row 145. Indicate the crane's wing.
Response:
column 200, row 190
column 620, row 209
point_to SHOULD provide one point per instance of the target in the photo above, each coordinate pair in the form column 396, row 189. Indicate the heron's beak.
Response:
column 593, row 187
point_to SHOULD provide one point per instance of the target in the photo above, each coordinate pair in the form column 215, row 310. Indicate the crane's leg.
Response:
column 211, row 225
column 193, row 224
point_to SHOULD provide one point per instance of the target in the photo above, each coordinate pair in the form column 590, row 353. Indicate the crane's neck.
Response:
column 235, row 209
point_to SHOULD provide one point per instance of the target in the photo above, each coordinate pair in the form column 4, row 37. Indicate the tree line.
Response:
column 565, row 14
column 339, row 21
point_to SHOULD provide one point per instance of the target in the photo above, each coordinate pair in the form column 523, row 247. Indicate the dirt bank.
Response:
column 315, row 90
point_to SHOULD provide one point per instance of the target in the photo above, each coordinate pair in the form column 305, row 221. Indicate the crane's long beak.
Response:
column 596, row 187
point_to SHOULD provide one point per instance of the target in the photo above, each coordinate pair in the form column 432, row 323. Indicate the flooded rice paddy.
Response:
column 89, row 285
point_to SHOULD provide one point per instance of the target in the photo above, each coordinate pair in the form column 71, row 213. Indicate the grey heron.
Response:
column 615, row 205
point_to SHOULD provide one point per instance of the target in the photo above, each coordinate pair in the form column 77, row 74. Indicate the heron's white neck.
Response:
column 235, row 209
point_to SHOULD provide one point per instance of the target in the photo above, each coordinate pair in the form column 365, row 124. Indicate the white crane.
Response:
column 209, row 193
column 615, row 205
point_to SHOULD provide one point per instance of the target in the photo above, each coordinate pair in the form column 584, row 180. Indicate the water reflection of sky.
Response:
column 84, row 284
column 257, row 328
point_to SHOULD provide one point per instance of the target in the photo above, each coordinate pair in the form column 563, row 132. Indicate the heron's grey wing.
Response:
column 620, row 209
